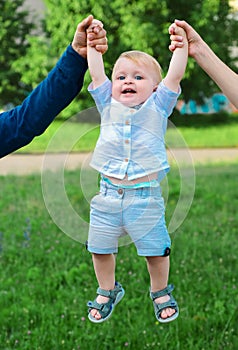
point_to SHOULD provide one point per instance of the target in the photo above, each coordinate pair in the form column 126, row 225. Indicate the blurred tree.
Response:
column 15, row 26
column 134, row 24
column 218, row 25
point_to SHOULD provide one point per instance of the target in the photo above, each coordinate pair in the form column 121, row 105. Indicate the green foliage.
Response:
column 37, row 63
column 15, row 25
column 143, row 25
column 135, row 24
column 215, row 22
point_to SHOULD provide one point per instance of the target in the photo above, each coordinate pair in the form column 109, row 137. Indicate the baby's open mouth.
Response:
column 128, row 91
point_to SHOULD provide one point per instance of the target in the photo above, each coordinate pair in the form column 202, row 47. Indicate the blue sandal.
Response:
column 158, row 308
column 106, row 309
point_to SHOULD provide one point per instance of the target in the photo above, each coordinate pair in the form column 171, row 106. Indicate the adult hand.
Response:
column 194, row 39
column 96, row 38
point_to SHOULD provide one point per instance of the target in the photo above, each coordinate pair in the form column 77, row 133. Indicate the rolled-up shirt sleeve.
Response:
column 166, row 99
column 21, row 124
column 102, row 94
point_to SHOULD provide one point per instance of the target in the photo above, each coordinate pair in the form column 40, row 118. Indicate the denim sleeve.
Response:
column 21, row 124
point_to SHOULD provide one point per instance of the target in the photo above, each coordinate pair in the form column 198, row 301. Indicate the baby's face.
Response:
column 132, row 83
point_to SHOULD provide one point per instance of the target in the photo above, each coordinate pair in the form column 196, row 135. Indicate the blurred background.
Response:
column 34, row 33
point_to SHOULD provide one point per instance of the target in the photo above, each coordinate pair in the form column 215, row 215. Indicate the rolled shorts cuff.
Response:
column 97, row 250
column 154, row 252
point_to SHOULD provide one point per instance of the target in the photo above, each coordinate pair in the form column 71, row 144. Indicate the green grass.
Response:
column 81, row 137
column 212, row 137
column 194, row 131
column 46, row 277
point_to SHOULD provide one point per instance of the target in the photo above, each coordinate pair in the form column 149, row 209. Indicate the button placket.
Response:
column 127, row 137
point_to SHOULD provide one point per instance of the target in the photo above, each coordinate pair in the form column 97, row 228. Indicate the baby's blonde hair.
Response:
column 140, row 57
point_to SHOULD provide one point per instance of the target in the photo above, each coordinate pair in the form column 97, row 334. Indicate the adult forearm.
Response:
column 56, row 92
column 20, row 125
column 223, row 76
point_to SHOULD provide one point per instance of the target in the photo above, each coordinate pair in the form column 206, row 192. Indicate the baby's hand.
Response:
column 95, row 26
column 178, row 37
column 176, row 30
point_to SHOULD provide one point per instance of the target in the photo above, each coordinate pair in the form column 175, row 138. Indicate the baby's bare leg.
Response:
column 104, row 267
column 158, row 267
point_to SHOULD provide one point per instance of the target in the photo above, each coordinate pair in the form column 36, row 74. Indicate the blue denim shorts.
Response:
column 119, row 216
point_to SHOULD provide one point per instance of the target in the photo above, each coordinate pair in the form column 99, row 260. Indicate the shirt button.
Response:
column 126, row 160
column 127, row 141
column 120, row 191
column 127, row 122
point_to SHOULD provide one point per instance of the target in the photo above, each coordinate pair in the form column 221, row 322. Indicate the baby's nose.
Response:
column 128, row 80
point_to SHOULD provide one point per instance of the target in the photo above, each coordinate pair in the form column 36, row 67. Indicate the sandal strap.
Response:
column 104, row 292
column 102, row 308
column 110, row 293
column 171, row 303
column 105, row 308
column 162, row 293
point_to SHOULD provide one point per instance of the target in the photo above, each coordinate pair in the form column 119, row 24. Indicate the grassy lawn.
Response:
column 195, row 132
column 46, row 277
column 81, row 137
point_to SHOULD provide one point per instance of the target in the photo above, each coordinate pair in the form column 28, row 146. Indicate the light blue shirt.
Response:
column 131, row 140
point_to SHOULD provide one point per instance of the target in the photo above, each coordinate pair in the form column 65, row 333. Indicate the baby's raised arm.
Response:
column 178, row 61
column 95, row 60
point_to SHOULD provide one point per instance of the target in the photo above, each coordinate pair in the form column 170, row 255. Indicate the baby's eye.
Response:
column 138, row 77
column 121, row 77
